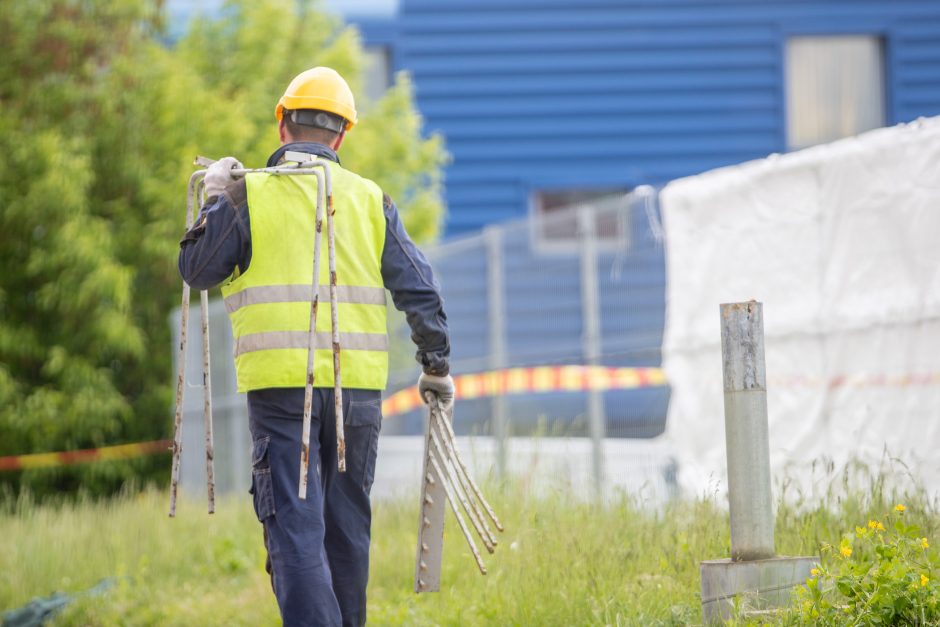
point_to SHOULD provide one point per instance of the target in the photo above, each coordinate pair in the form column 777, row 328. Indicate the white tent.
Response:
column 841, row 243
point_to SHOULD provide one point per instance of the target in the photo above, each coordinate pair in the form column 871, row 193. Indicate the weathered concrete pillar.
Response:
column 746, row 432
column 753, row 577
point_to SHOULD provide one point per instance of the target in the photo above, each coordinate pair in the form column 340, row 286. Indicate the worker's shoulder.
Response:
column 372, row 186
column 236, row 192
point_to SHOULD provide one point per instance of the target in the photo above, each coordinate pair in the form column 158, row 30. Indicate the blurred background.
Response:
column 530, row 146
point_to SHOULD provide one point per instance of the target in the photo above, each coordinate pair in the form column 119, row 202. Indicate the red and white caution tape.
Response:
column 533, row 380
column 67, row 458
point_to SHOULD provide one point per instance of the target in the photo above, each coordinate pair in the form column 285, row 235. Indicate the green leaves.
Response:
column 99, row 123
column 886, row 579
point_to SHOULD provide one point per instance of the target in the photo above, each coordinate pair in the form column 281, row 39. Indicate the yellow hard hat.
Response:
column 319, row 88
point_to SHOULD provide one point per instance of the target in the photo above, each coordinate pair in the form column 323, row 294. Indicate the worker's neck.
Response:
column 333, row 145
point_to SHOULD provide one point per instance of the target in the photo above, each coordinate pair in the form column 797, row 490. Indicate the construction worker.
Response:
column 255, row 237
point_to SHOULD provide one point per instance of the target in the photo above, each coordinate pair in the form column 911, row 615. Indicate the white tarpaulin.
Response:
column 841, row 243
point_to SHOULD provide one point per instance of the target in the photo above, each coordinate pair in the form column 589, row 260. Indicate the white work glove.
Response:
column 442, row 386
column 219, row 175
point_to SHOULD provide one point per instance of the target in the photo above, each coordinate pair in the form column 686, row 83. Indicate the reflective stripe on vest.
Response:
column 269, row 303
column 273, row 340
column 303, row 294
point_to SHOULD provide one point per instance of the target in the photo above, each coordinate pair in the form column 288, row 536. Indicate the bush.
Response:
column 882, row 574
column 99, row 122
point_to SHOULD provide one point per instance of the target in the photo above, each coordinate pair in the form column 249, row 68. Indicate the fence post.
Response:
column 496, row 310
column 746, row 431
column 591, row 340
column 754, row 579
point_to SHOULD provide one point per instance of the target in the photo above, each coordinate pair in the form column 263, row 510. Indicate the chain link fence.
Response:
column 582, row 285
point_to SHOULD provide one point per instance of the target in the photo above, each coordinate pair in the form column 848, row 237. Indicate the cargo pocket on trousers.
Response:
column 262, row 488
column 362, row 425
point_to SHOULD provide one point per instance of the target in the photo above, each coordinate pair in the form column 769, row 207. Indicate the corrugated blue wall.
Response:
column 537, row 94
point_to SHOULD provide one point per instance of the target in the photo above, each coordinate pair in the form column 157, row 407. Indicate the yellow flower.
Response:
column 814, row 572
column 860, row 532
column 876, row 525
column 924, row 543
column 923, row 580
column 899, row 508
column 845, row 550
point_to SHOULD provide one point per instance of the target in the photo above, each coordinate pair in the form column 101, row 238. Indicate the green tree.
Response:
column 99, row 123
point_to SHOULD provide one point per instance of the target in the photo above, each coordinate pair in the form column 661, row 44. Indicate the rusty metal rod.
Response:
column 207, row 403
column 334, row 323
column 433, row 401
column 181, row 361
column 445, row 450
column 206, row 377
column 462, row 476
column 456, row 510
column 474, row 512
column 437, row 447
column 311, row 344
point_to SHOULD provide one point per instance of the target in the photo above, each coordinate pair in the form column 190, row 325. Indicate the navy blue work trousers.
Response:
column 318, row 548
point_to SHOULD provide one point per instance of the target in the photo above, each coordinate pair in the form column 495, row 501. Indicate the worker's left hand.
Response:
column 442, row 386
column 219, row 175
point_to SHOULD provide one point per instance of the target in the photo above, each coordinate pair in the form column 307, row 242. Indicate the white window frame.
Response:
column 803, row 97
column 542, row 243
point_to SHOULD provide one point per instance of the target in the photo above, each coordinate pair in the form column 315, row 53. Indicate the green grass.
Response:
column 560, row 562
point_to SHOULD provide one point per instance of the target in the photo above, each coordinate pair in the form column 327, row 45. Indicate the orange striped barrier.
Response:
column 67, row 458
column 540, row 379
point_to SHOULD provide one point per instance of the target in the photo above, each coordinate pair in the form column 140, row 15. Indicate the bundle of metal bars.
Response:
column 295, row 163
column 445, row 477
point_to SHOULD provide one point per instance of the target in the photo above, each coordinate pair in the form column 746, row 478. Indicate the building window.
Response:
column 377, row 72
column 835, row 88
column 559, row 226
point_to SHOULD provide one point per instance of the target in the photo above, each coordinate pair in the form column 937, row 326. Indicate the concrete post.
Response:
column 753, row 579
column 746, row 431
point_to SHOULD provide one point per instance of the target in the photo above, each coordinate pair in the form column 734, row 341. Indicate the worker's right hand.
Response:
column 442, row 386
column 219, row 175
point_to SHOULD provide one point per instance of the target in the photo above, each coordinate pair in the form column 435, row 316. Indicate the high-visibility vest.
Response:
column 269, row 304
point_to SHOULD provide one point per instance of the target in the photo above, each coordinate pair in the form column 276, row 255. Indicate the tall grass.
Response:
column 195, row 569
column 560, row 562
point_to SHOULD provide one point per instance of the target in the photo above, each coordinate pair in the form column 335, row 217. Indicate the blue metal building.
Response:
column 627, row 92
column 544, row 103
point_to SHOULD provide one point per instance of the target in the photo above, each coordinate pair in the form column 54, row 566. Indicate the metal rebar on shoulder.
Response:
column 295, row 163
column 207, row 380
column 195, row 195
